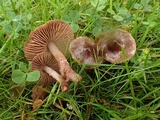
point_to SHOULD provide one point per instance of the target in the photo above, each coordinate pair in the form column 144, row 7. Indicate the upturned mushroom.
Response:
column 49, row 70
column 54, row 37
column 112, row 43
column 84, row 51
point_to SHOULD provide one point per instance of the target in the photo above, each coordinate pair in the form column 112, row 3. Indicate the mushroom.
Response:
column 54, row 37
column 38, row 92
column 84, row 51
column 112, row 43
column 49, row 70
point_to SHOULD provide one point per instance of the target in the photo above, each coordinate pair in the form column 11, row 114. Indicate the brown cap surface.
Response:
column 42, row 60
column 113, row 42
column 54, row 30
column 83, row 50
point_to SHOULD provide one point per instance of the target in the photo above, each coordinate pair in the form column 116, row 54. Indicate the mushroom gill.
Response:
column 55, row 31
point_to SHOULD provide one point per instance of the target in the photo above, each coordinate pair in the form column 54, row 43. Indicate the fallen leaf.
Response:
column 37, row 103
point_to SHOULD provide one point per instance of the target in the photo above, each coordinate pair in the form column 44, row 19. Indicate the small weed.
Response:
column 22, row 75
column 72, row 19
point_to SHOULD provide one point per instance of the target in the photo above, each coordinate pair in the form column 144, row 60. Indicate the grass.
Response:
column 128, row 91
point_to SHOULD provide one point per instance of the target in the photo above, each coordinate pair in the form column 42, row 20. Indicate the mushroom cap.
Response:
column 54, row 30
column 42, row 60
column 111, row 43
column 84, row 51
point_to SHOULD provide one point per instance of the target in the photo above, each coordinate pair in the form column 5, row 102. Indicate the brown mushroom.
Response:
column 38, row 92
column 54, row 36
column 84, row 51
column 112, row 43
column 49, row 70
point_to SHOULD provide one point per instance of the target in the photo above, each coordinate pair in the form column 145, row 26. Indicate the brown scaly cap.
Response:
column 84, row 51
column 111, row 44
column 39, row 62
column 54, row 30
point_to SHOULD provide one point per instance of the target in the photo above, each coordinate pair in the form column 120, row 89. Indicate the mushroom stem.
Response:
column 65, row 69
column 57, row 77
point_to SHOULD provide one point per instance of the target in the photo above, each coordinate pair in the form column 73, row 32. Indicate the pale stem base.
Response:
column 57, row 77
column 66, row 71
